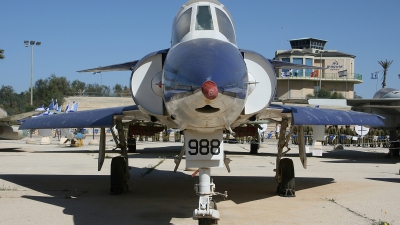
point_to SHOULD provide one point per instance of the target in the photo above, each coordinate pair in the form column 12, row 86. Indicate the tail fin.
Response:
column 56, row 105
column 51, row 106
column 67, row 107
column 75, row 107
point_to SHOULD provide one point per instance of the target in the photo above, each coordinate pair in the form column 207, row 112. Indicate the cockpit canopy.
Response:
column 202, row 19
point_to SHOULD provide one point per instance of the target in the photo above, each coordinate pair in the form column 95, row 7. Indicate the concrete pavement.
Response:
column 52, row 184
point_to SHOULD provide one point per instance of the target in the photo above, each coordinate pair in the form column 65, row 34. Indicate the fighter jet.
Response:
column 385, row 102
column 8, row 132
column 203, row 85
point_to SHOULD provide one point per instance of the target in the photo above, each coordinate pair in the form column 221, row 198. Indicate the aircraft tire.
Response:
column 206, row 221
column 254, row 148
column 118, row 185
column 287, row 186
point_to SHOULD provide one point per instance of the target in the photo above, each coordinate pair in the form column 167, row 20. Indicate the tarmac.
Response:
column 58, row 184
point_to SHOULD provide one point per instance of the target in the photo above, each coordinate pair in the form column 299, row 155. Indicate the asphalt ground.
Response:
column 58, row 184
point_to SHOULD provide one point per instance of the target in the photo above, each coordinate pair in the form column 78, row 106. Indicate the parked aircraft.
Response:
column 55, row 109
column 8, row 132
column 386, row 102
column 202, row 85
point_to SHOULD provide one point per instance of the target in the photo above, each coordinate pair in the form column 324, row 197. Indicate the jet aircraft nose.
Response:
column 210, row 90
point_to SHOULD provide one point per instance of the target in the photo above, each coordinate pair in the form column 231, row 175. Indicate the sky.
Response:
column 85, row 34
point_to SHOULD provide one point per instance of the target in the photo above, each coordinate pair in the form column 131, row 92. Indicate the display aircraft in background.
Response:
column 203, row 85
column 55, row 109
column 386, row 102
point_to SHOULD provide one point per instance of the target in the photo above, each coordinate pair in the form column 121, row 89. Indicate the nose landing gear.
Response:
column 207, row 213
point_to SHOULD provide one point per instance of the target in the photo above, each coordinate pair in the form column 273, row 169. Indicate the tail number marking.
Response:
column 204, row 147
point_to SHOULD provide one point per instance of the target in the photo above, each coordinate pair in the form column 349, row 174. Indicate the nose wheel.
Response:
column 286, row 188
column 206, row 213
column 213, row 205
column 118, row 181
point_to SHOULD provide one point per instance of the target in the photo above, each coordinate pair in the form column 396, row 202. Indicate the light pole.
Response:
column 32, row 43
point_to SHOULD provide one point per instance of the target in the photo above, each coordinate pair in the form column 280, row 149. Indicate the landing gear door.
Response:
column 204, row 150
column 302, row 147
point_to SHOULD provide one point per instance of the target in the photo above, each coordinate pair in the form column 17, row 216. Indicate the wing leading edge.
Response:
column 317, row 116
column 19, row 116
column 84, row 119
column 117, row 67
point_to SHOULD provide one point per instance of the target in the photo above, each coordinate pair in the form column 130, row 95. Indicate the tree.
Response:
column 97, row 90
column 78, row 86
column 2, row 54
column 357, row 96
column 337, row 95
column 51, row 88
column 127, row 91
column 7, row 100
column 385, row 65
column 325, row 94
column 121, row 91
column 14, row 103
column 117, row 89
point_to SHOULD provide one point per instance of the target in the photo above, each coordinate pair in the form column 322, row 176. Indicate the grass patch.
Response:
column 4, row 188
column 150, row 168
column 381, row 223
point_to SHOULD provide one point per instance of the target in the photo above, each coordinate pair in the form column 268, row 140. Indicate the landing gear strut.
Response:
column 119, row 165
column 284, row 167
column 207, row 213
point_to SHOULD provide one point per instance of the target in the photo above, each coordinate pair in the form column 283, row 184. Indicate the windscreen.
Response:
column 204, row 18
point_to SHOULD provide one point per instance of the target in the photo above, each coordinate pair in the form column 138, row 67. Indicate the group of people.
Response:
column 346, row 135
column 164, row 136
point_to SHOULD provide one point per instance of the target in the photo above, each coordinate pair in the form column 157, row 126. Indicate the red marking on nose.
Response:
column 210, row 90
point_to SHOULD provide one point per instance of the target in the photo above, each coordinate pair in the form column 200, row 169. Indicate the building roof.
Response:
column 301, row 52
column 308, row 38
column 308, row 43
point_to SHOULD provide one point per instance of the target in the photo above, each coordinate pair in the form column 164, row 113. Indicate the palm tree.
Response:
column 385, row 65
column 1, row 54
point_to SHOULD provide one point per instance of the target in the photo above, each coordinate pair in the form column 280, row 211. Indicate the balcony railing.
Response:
column 325, row 76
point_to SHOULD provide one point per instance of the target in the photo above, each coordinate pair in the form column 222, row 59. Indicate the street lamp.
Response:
column 32, row 43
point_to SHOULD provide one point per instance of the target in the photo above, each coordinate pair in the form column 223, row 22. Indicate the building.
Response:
column 338, row 74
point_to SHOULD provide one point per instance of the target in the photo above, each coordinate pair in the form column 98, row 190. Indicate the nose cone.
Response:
column 210, row 90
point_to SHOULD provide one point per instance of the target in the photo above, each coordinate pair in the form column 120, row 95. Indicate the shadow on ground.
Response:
column 391, row 180
column 153, row 199
column 353, row 156
column 11, row 150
